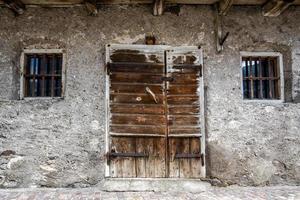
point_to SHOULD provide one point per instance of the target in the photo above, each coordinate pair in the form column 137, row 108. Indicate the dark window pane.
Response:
column 57, row 87
column 261, row 78
column 266, row 89
column 48, row 87
column 58, row 65
column 256, row 68
column 32, row 64
column 246, row 89
column 265, row 68
column 256, row 88
column 277, row 89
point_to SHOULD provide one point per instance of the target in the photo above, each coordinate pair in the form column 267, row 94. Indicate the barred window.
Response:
column 261, row 77
column 42, row 75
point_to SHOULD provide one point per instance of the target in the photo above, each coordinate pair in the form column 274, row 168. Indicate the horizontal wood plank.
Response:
column 184, row 78
column 183, row 100
column 135, row 78
column 137, row 119
column 183, row 120
column 140, row 56
column 196, row 69
column 137, row 109
column 182, row 89
column 176, row 130
column 140, row 89
column 146, row 130
column 135, row 99
column 184, row 110
column 137, row 67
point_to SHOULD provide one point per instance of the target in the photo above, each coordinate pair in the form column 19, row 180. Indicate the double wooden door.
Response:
column 155, row 117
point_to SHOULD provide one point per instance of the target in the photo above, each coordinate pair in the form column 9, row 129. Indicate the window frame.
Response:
column 22, row 70
column 278, row 55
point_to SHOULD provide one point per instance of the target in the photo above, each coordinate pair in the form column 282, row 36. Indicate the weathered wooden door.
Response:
column 154, row 111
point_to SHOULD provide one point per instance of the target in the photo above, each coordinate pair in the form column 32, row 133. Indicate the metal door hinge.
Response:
column 112, row 155
column 107, row 68
column 187, row 155
column 202, row 159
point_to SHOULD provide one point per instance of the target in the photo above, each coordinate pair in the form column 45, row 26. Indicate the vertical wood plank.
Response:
column 124, row 166
column 196, row 162
column 173, row 163
column 116, row 163
column 128, row 162
column 184, row 168
column 140, row 164
column 159, row 153
column 150, row 164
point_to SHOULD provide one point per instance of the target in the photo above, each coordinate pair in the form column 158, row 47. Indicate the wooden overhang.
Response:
column 58, row 3
column 270, row 8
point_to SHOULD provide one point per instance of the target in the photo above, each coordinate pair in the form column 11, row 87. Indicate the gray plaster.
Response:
column 60, row 142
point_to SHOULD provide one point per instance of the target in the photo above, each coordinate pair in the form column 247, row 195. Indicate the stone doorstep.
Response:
column 154, row 185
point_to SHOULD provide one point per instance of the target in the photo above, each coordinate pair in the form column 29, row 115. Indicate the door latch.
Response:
column 149, row 91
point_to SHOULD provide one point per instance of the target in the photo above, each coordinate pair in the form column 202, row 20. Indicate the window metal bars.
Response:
column 43, row 75
column 261, row 78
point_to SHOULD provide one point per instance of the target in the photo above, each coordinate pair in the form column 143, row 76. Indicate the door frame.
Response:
column 168, row 48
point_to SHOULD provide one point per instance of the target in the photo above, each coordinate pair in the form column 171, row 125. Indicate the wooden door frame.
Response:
column 108, row 49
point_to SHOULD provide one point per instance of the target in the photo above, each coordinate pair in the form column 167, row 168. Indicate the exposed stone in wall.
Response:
column 60, row 143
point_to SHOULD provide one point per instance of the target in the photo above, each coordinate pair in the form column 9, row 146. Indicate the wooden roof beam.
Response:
column 158, row 7
column 91, row 6
column 224, row 6
column 274, row 8
column 16, row 6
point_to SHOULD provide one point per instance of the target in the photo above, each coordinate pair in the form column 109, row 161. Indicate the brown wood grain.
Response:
column 186, row 69
column 180, row 78
column 190, row 109
column 185, row 164
column 137, row 119
column 141, row 163
column 123, row 166
column 176, row 130
column 195, row 169
column 146, row 130
column 140, row 89
column 183, row 100
column 187, row 120
column 182, row 89
column 136, row 67
column 173, row 163
column 135, row 99
column 135, row 78
column 137, row 109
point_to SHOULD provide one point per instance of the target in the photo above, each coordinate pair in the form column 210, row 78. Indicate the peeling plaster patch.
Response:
column 48, row 168
column 15, row 163
column 201, row 36
column 95, row 125
column 269, row 109
column 128, row 39
column 261, row 170
column 234, row 124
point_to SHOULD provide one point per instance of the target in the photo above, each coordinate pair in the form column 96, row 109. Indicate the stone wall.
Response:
column 60, row 142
